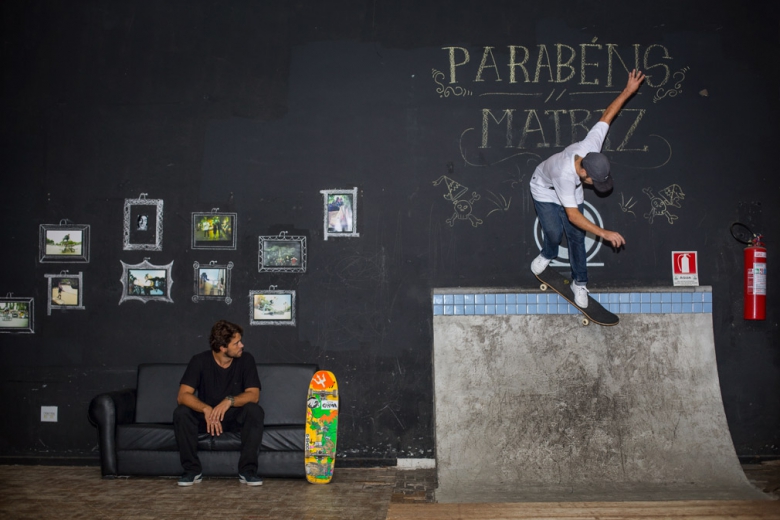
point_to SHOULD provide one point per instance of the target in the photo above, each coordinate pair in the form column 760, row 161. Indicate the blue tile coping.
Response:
column 670, row 300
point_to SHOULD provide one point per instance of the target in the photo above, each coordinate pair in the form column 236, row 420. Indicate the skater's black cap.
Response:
column 597, row 166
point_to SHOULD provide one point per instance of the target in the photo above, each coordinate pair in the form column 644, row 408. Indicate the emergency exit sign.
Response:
column 685, row 268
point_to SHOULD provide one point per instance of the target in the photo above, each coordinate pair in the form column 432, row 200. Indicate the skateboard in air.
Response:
column 322, row 420
column 594, row 312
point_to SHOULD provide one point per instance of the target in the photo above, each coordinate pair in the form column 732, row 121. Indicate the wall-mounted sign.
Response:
column 685, row 268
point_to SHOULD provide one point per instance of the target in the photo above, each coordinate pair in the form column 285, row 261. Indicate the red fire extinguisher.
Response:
column 755, row 275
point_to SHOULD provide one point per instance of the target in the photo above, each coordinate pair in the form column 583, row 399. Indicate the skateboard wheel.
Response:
column 543, row 287
column 585, row 321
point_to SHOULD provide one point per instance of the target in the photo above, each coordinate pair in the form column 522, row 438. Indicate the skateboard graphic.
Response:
column 594, row 312
column 322, row 420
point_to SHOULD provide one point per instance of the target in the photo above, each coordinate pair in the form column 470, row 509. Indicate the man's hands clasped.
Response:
column 215, row 416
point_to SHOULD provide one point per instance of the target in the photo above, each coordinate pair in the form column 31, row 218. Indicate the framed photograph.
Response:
column 146, row 282
column 16, row 315
column 282, row 254
column 66, row 291
column 212, row 282
column 272, row 307
column 143, row 223
column 340, row 213
column 63, row 243
column 214, row 230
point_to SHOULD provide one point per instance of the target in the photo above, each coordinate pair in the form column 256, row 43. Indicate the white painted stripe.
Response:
column 409, row 464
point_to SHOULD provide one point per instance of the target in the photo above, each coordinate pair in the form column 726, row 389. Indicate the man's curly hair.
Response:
column 221, row 334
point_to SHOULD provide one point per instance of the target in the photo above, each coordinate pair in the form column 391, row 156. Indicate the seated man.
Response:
column 228, row 392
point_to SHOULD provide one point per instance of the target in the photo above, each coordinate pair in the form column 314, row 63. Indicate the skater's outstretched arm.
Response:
column 635, row 79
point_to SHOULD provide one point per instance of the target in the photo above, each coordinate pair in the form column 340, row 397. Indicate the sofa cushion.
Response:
column 160, row 437
column 283, row 396
column 158, row 387
column 284, row 393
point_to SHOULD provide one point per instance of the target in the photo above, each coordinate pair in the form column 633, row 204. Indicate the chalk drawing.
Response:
column 669, row 196
column 626, row 205
column 500, row 203
column 463, row 211
column 463, row 207
column 678, row 77
column 461, row 146
column 448, row 91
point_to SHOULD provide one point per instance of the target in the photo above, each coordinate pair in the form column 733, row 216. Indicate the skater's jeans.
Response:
column 554, row 223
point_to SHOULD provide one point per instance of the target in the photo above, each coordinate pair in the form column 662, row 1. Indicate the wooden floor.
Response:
column 63, row 493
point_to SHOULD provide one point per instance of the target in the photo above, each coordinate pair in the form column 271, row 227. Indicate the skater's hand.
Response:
column 614, row 238
column 635, row 78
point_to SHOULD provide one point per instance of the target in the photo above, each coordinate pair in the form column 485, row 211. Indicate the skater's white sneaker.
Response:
column 580, row 295
column 539, row 264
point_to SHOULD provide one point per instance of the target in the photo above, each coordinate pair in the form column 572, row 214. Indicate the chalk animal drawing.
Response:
column 463, row 207
column 669, row 196
column 627, row 205
column 443, row 91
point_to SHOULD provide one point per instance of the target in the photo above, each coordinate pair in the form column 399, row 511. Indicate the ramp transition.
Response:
column 530, row 405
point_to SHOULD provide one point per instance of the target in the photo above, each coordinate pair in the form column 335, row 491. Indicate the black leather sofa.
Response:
column 135, row 426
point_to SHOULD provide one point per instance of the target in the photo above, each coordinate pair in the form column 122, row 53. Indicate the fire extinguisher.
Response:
column 755, row 272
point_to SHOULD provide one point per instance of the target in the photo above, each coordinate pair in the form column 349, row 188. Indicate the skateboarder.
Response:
column 556, row 188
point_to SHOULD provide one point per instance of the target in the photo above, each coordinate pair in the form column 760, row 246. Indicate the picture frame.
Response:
column 143, row 224
column 272, row 307
column 340, row 213
column 214, row 230
column 212, row 282
column 17, row 315
column 281, row 254
column 63, row 243
column 146, row 282
column 66, row 291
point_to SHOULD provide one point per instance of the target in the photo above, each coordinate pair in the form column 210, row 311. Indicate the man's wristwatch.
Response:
column 231, row 399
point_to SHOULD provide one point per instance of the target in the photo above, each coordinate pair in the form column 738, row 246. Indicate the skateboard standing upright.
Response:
column 593, row 312
column 322, row 420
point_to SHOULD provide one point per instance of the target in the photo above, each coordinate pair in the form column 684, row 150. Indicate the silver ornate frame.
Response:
column 196, row 297
column 143, row 201
column 262, row 255
column 272, row 291
column 64, row 225
column 30, row 329
column 126, row 268
column 354, row 193
column 65, row 274
column 213, row 212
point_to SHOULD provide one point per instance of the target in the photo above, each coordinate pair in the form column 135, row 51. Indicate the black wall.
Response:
column 255, row 107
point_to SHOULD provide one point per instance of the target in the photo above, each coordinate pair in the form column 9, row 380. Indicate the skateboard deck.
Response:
column 594, row 312
column 322, row 420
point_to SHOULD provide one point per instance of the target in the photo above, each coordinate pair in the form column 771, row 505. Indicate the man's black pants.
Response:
column 248, row 419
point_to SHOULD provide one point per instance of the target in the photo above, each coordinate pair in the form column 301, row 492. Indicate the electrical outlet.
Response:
column 48, row 414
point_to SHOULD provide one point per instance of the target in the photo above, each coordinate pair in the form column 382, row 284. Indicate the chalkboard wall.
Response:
column 437, row 113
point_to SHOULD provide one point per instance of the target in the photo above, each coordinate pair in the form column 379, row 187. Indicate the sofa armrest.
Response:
column 105, row 412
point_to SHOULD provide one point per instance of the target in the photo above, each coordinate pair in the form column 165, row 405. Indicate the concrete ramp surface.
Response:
column 541, row 408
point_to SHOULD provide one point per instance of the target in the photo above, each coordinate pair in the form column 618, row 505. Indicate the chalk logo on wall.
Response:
column 592, row 243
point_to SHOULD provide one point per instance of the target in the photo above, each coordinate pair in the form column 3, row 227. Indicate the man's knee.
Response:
column 254, row 412
column 182, row 413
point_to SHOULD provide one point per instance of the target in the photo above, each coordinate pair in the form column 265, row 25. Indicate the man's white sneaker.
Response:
column 539, row 264
column 580, row 295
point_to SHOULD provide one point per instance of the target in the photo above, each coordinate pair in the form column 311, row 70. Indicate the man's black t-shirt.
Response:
column 213, row 383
